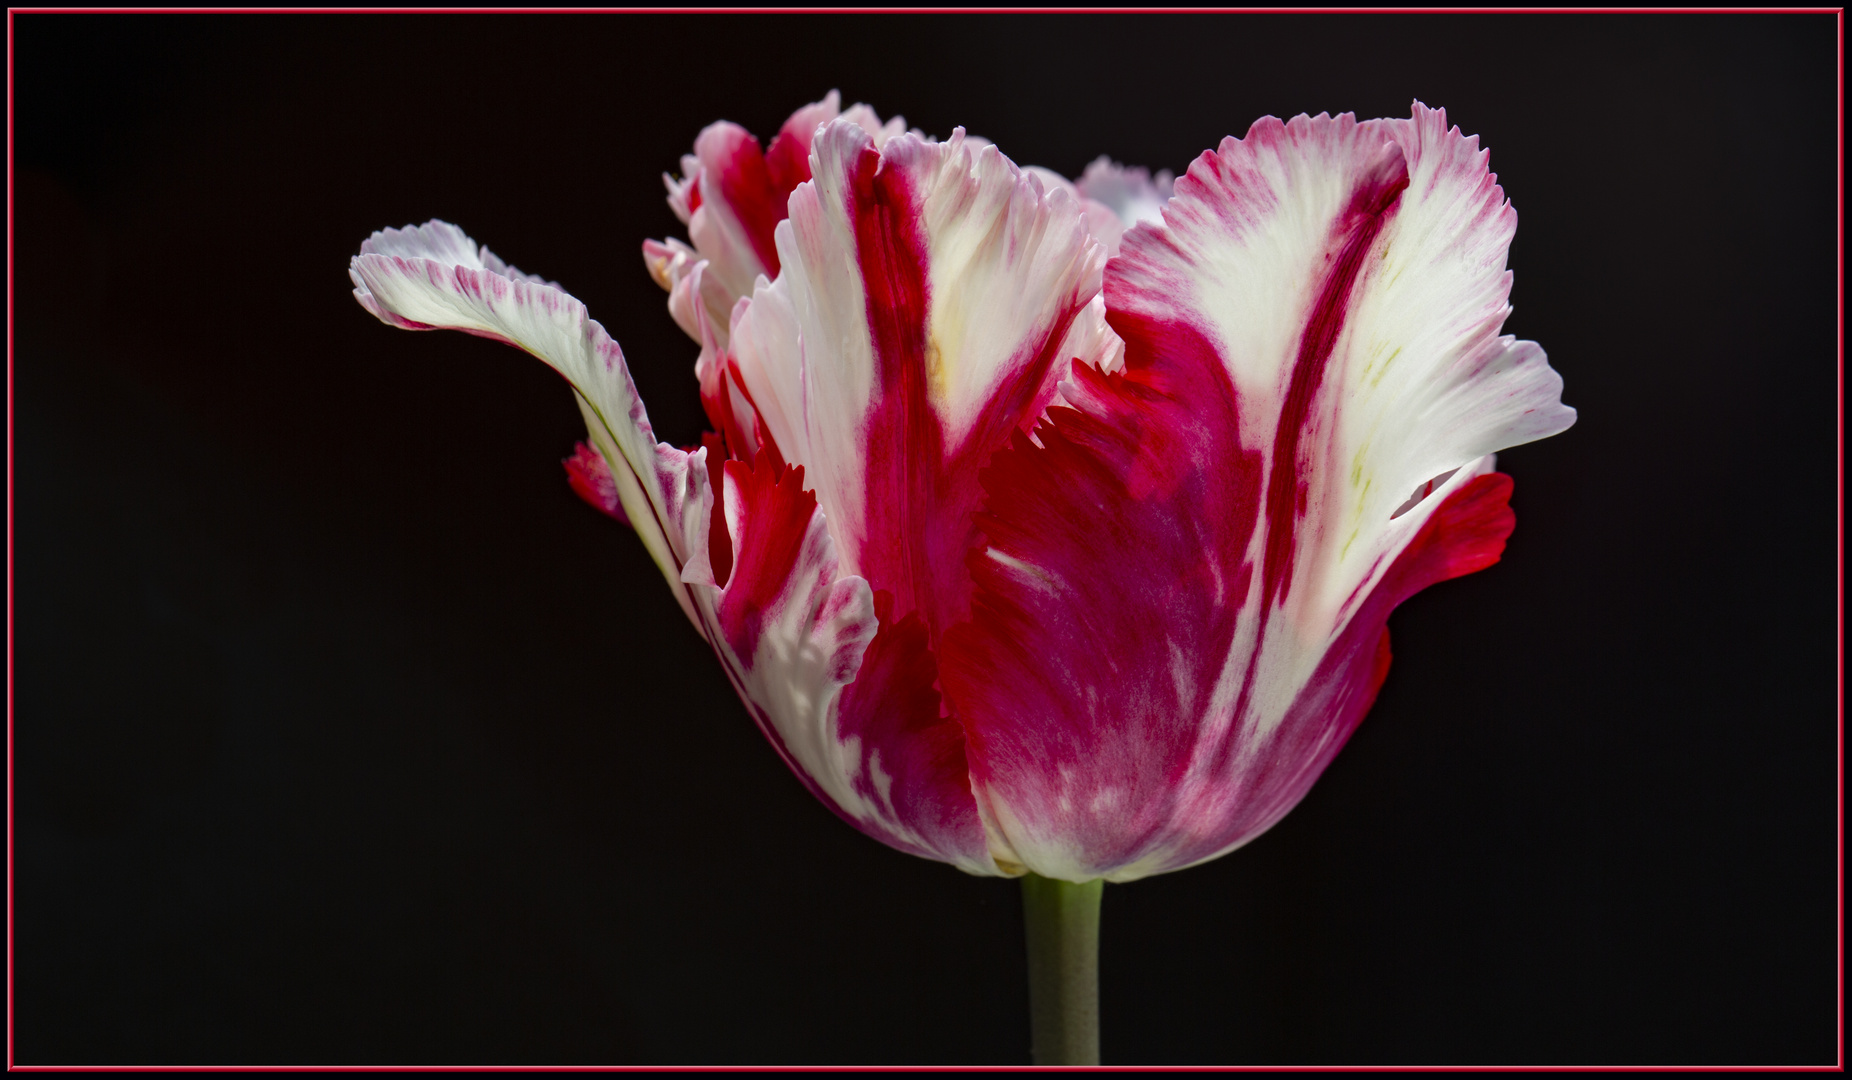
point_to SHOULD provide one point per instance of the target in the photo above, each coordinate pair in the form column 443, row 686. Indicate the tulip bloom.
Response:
column 1021, row 558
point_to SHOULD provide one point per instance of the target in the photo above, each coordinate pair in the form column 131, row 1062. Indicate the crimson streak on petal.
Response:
column 905, row 444
column 770, row 533
column 1354, row 233
column 1139, row 690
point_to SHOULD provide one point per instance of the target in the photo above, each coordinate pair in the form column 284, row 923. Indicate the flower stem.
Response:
column 1063, row 923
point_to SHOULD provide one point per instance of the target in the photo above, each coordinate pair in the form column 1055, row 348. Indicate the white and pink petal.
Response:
column 1352, row 277
column 1311, row 335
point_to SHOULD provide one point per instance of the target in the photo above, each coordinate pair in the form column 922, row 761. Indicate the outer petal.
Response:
column 1352, row 277
column 1180, row 581
column 930, row 298
column 760, row 580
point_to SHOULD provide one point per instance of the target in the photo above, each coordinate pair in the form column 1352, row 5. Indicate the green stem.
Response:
column 1063, row 923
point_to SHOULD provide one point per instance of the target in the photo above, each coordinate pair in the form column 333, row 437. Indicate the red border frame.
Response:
column 1840, row 443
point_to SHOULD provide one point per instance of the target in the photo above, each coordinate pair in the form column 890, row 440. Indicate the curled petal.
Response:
column 433, row 277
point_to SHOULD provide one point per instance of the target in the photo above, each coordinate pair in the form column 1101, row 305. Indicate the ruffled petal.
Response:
column 929, row 305
column 1352, row 277
column 1172, row 628
column 1103, row 222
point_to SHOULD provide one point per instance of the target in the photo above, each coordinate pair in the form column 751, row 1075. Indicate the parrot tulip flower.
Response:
column 1031, row 546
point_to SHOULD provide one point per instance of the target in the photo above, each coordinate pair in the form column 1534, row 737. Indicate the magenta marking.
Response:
column 1371, row 206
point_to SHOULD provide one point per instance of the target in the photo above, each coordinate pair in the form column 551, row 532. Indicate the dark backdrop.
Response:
column 345, row 733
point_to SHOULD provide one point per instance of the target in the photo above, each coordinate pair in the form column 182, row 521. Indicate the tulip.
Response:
column 1029, row 561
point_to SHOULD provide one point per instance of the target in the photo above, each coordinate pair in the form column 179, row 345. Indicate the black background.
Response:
column 345, row 733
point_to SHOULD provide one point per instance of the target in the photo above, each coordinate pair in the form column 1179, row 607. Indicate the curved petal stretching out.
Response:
column 433, row 277
column 1181, row 590
column 789, row 629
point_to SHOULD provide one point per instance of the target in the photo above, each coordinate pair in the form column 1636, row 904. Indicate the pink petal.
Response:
column 915, row 756
column 1133, row 194
column 1110, row 586
column 1465, row 533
